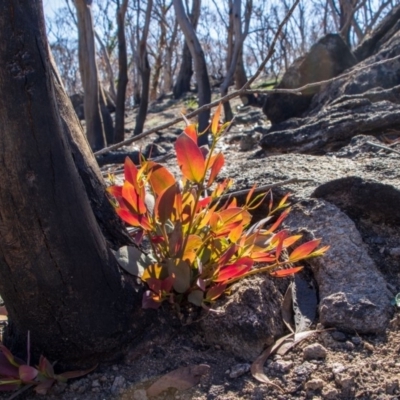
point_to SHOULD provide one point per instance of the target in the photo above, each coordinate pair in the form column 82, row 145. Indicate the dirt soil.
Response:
column 342, row 366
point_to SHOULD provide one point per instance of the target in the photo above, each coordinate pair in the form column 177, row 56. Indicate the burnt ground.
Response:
column 352, row 366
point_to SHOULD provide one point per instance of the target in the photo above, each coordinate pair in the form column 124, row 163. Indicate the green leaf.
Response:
column 132, row 260
column 196, row 297
column 181, row 271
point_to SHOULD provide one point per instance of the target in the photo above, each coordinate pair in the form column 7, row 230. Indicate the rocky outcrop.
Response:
column 326, row 59
column 348, row 299
column 365, row 100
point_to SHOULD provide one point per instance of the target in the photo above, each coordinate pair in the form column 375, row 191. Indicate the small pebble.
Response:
column 314, row 384
column 337, row 368
column 392, row 386
column 368, row 346
column 395, row 252
column 356, row 340
column 95, row 383
column 349, row 345
column 118, row 384
column 314, row 351
column 282, row 366
column 140, row 394
column 344, row 381
column 239, row 370
column 339, row 336
column 330, row 393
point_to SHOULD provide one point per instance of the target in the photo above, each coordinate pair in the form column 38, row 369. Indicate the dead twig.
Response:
column 381, row 146
column 264, row 188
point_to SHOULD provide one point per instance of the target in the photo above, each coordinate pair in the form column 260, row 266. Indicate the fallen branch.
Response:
column 381, row 146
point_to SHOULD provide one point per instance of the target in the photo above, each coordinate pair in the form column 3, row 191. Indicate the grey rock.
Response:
column 247, row 320
column 140, row 394
column 239, row 370
column 344, row 274
column 345, row 381
column 314, row 384
column 338, row 368
column 339, row 336
column 392, row 386
column 281, row 366
column 248, row 142
column 95, row 383
column 356, row 340
column 305, row 369
column 395, row 252
column 330, row 393
column 314, row 351
column 118, row 384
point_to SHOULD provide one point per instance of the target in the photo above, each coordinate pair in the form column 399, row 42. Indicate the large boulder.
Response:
column 326, row 59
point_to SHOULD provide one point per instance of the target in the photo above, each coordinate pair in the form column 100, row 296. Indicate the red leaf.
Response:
column 6, row 368
column 76, row 374
column 148, row 300
column 27, row 373
column 217, row 164
column 279, row 220
column 282, row 273
column 44, row 386
column 240, row 267
column 190, row 158
column 115, row 190
column 214, row 292
column 304, row 250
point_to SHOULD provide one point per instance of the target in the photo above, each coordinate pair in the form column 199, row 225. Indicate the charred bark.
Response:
column 58, row 277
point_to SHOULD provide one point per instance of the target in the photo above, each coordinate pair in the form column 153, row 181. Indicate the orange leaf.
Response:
column 304, row 250
column 164, row 206
column 260, row 256
column 134, row 199
column 131, row 171
column 190, row 158
column 191, row 131
column 159, row 177
column 279, row 220
column 133, row 219
column 215, row 120
column 248, row 197
column 217, row 163
column 282, row 273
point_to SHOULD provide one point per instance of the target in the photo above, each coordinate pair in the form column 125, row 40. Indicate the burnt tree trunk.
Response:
column 89, row 75
column 200, row 67
column 182, row 84
column 58, row 277
column 119, row 132
column 144, row 68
